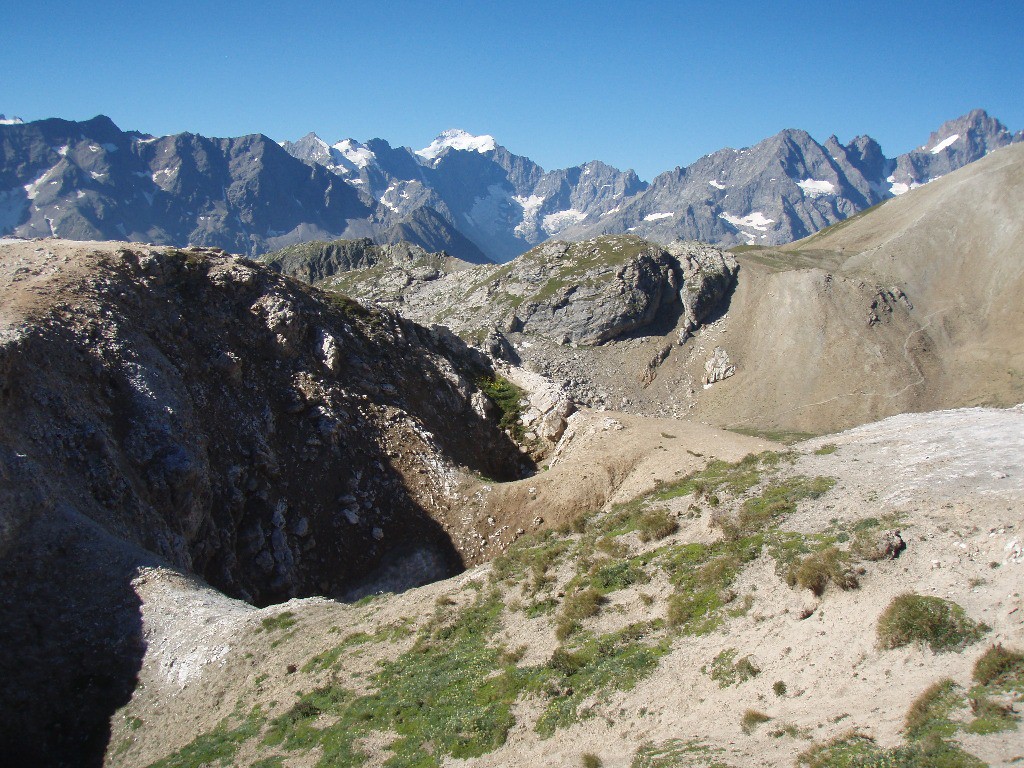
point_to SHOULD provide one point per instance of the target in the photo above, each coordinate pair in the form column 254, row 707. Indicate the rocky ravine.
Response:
column 193, row 410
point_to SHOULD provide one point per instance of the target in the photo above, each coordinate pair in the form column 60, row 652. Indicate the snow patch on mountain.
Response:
column 556, row 222
column 457, row 139
column 659, row 215
column 717, row 185
column 816, row 187
column 531, row 207
column 11, row 120
column 358, row 154
column 33, row 187
column 755, row 220
column 944, row 143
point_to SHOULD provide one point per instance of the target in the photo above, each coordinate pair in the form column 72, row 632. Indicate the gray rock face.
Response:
column 465, row 195
column 502, row 203
column 572, row 293
column 789, row 186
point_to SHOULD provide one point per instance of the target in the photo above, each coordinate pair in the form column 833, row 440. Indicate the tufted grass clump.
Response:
column 999, row 666
column 940, row 624
column 727, row 670
column 751, row 719
column 281, row 621
column 656, row 524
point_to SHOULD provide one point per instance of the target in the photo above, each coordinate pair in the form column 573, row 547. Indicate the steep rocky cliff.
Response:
column 195, row 410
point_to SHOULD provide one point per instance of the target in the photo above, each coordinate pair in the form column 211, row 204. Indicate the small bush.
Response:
column 582, row 605
column 590, row 760
column 779, row 688
column 998, row 665
column 656, row 524
column 751, row 719
column 819, row 569
column 938, row 623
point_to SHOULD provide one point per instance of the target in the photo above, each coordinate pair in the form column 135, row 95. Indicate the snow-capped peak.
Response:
column 457, row 139
column 358, row 154
column 10, row 120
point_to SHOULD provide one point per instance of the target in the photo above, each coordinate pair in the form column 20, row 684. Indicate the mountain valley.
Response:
column 363, row 495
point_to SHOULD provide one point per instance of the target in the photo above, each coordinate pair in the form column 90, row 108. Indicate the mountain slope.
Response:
column 463, row 194
column 912, row 306
column 789, row 186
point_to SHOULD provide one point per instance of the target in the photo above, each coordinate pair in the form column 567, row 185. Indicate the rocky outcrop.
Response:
column 707, row 277
column 237, row 423
column 717, row 367
column 587, row 293
column 546, row 409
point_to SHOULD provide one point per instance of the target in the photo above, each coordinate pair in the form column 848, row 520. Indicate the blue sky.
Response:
column 642, row 85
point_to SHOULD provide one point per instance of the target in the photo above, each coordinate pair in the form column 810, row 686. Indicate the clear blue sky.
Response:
column 642, row 85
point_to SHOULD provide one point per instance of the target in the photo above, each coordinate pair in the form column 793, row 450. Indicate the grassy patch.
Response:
column 656, row 524
column 931, row 713
column 614, row 661
column 727, row 670
column 751, row 719
column 281, row 621
column 826, row 449
column 999, row 666
column 387, row 633
column 855, row 750
column 217, row 747
column 940, row 624
column 677, row 753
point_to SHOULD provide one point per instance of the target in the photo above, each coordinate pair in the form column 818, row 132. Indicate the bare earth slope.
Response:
column 694, row 627
column 914, row 305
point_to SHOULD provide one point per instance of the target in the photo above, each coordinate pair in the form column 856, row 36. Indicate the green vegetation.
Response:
column 590, row 760
column 855, row 750
column 281, row 621
column 779, row 688
column 934, row 719
column 386, row 633
column 929, row 715
column 727, row 670
column 217, row 747
column 1000, row 667
column 656, row 524
column 508, row 397
column 751, row 719
column 826, row 449
column 677, row 753
column 998, row 673
column 938, row 623
column 617, row 660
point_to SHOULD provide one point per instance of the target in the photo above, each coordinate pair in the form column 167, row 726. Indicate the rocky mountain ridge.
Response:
column 465, row 195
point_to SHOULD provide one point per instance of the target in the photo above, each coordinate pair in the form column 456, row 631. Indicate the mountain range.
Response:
column 463, row 194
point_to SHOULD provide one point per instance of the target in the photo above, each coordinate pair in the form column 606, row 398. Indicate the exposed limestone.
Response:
column 717, row 367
